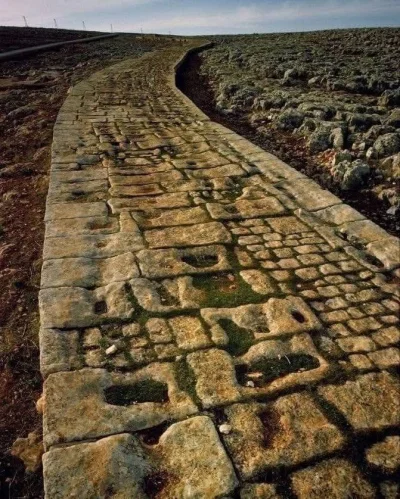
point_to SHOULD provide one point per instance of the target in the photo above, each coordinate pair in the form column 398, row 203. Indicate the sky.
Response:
column 197, row 17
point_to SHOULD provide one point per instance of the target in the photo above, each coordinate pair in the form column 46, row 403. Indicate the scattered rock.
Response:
column 29, row 450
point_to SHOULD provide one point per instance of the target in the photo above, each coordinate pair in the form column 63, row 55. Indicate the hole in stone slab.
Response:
column 151, row 436
column 97, row 224
column 78, row 193
column 147, row 390
column 298, row 316
column 200, row 261
column 100, row 307
column 265, row 370
column 231, row 209
column 191, row 163
column 154, row 483
column 166, row 298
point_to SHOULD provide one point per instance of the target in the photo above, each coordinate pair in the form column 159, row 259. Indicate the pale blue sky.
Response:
column 190, row 17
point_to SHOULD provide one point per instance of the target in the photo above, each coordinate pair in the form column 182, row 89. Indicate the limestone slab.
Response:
column 194, row 235
column 93, row 403
column 173, row 261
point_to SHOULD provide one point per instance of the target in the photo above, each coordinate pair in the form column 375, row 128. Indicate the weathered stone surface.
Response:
column 245, row 208
column 91, row 246
column 59, row 351
column 173, row 262
column 259, row 491
column 91, row 469
column 215, row 377
column 194, row 235
column 385, row 455
column 93, row 403
column 75, row 210
column 168, row 295
column 78, row 307
column 29, row 450
column 371, row 402
column 286, row 432
column 167, row 218
column 170, row 200
column 88, row 273
column 335, row 478
column 189, row 333
column 259, row 281
column 275, row 365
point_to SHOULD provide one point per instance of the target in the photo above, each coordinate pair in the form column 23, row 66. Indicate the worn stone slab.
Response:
column 297, row 432
column 371, row 402
column 78, row 307
column 246, row 209
column 75, row 210
column 194, row 235
column 122, row 462
column 93, row 403
column 334, row 478
column 168, row 218
column 174, row 262
column 88, row 273
column 170, row 200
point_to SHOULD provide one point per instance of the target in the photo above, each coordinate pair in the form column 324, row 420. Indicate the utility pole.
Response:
column 55, row 23
column 25, row 21
column 111, row 26
column 84, row 25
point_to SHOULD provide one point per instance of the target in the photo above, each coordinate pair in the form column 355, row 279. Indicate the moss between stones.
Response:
column 225, row 290
column 186, row 379
column 240, row 339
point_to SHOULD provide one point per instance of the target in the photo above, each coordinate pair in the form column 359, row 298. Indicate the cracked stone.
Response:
column 371, row 402
column 286, row 432
column 195, row 235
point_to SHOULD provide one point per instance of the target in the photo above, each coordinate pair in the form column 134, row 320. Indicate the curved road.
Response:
column 213, row 323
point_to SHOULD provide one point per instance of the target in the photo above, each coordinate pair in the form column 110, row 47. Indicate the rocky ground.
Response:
column 31, row 93
column 327, row 102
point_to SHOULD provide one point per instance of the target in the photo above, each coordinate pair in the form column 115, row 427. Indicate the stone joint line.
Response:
column 213, row 324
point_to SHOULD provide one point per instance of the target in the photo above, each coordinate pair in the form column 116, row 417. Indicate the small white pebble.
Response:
column 111, row 350
column 250, row 384
column 225, row 429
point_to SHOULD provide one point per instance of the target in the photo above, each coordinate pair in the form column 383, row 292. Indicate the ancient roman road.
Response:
column 213, row 324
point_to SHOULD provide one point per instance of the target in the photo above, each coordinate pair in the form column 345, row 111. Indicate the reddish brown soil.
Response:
column 24, row 165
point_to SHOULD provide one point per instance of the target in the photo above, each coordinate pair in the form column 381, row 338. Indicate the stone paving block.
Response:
column 59, row 351
column 188, row 461
column 75, row 210
column 168, row 218
column 215, row 377
column 286, row 432
column 93, row 403
column 88, row 273
column 91, row 246
column 308, row 194
column 273, row 366
column 259, row 491
column 174, row 262
column 385, row 454
column 195, row 235
column 371, row 402
column 79, row 307
column 87, row 225
column 150, row 178
column 169, row 295
column 334, row 478
column 245, row 208
column 232, row 170
column 170, row 200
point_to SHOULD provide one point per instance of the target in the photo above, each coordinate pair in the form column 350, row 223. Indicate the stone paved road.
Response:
column 213, row 323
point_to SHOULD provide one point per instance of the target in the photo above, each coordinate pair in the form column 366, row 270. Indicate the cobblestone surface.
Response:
column 213, row 323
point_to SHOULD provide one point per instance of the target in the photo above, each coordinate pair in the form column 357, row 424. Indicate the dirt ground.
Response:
column 31, row 92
